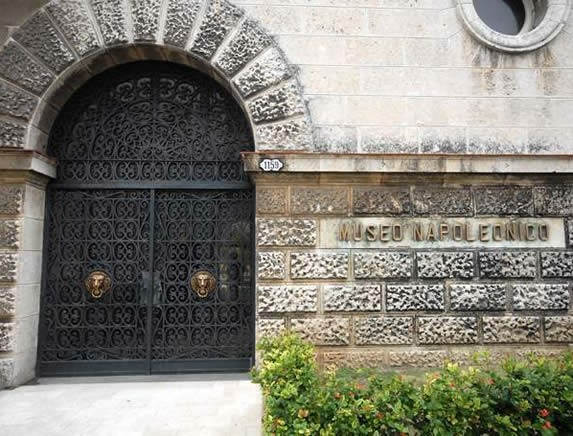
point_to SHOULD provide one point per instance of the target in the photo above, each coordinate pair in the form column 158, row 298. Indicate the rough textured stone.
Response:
column 319, row 201
column 181, row 15
column 73, row 20
column 510, row 329
column 477, row 297
column 540, row 297
column 6, row 372
column 7, row 302
column 11, row 197
column 270, row 327
column 247, row 43
column 292, row 298
column 559, row 329
column 271, row 200
column 290, row 135
column 20, row 68
column 15, row 102
column 323, row 331
column 384, row 331
column 495, row 200
column 435, row 264
column 319, row 265
column 145, row 15
column 352, row 298
column 557, row 264
column 219, row 19
column 381, row 201
column 271, row 265
column 414, row 297
column 111, row 18
column 7, row 336
column 382, row 265
column 11, row 134
column 9, row 234
column 279, row 103
column 522, row 264
column 8, row 264
column 268, row 70
column 447, row 330
column 420, row 359
column 570, row 232
column 40, row 37
column 554, row 200
column 286, row 232
column 354, row 359
column 450, row 202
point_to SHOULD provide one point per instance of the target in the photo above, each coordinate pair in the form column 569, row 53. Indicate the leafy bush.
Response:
column 528, row 397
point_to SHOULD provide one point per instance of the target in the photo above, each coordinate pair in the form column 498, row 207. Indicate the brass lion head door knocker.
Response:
column 203, row 283
column 98, row 283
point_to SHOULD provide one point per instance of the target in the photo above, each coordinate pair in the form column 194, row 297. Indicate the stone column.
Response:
column 23, row 179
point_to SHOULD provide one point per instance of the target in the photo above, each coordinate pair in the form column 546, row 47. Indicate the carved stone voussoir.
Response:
column 319, row 265
column 111, row 17
column 73, row 20
column 145, row 14
column 282, row 299
column 328, row 331
column 282, row 102
column 181, row 15
column 16, row 102
column 19, row 67
column 268, row 70
column 286, row 232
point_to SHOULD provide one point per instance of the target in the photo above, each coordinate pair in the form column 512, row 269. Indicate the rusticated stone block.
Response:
column 439, row 265
column 451, row 202
column 518, row 264
column 384, row 201
column 319, row 201
column 11, row 134
column 15, row 102
column 9, row 234
column 504, row 200
column 511, row 329
column 145, row 15
column 7, row 336
column 570, row 232
column 282, row 102
column 181, row 14
column 249, row 41
column 20, row 68
column 554, row 200
column 286, row 232
column 6, row 372
column 477, row 297
column 323, row 331
column 419, row 359
column 111, row 17
column 382, row 265
column 352, row 298
column 73, row 20
column 271, row 200
column 540, row 297
column 268, row 70
column 41, row 38
column 292, row 298
column 271, row 265
column 8, row 264
column 7, row 302
column 319, row 265
column 557, row 264
column 384, row 331
column 447, row 330
column 354, row 359
column 270, row 327
column 219, row 19
column 11, row 197
column 414, row 297
column 289, row 135
column 559, row 329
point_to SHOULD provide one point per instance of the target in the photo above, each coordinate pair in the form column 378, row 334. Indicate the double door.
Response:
column 147, row 281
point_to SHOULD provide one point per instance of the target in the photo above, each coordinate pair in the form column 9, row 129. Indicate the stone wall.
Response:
column 403, row 306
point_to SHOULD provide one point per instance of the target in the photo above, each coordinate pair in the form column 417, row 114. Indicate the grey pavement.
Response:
column 203, row 405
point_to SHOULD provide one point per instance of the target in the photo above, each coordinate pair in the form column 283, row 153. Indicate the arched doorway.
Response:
column 148, row 242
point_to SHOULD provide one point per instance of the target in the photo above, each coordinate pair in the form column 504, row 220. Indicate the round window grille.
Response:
column 514, row 25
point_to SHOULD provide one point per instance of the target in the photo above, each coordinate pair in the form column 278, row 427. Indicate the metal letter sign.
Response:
column 271, row 165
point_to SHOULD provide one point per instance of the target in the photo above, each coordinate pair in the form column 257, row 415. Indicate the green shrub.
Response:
column 528, row 397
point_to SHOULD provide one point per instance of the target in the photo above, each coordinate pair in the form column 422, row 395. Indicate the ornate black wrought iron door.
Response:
column 150, row 192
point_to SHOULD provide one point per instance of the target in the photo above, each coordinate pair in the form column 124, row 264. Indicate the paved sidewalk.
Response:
column 205, row 405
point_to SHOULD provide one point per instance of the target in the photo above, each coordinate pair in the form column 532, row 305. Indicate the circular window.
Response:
column 514, row 25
